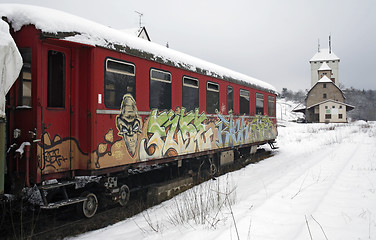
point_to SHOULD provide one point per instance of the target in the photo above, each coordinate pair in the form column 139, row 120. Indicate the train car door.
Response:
column 55, row 111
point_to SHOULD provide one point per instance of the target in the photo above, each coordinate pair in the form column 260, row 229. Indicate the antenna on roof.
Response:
column 330, row 44
column 318, row 45
column 140, row 18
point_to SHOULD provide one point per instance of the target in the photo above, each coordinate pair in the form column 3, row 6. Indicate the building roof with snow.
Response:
column 61, row 25
column 138, row 32
column 348, row 106
column 325, row 79
column 324, row 55
column 324, row 67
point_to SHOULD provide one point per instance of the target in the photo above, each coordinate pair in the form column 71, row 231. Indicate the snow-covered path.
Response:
column 322, row 181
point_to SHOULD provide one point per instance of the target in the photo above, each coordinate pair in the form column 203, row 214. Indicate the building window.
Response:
column 259, row 104
column 212, row 97
column 56, row 79
column 244, row 102
column 340, row 116
column 230, row 99
column 24, row 87
column 324, row 95
column 340, row 107
column 271, row 106
column 160, row 89
column 326, row 107
column 328, row 116
column 324, row 85
column 119, row 79
column 333, row 106
column 190, row 93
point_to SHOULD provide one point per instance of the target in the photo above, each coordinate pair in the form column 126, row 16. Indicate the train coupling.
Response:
column 272, row 146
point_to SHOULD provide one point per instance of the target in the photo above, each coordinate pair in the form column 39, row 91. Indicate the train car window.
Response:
column 160, row 89
column 190, row 93
column 24, row 87
column 230, row 99
column 120, row 79
column 212, row 97
column 259, row 104
column 244, row 102
column 56, row 79
column 271, row 106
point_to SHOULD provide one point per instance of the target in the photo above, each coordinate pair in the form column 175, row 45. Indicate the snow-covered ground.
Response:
column 284, row 110
column 321, row 184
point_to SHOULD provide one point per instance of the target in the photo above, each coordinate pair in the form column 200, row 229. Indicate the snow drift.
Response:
column 10, row 63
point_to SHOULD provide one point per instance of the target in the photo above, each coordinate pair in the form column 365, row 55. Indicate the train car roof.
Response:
column 57, row 24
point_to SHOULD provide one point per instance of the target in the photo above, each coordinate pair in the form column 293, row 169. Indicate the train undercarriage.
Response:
column 88, row 193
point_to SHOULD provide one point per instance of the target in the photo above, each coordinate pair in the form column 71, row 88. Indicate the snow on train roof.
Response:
column 77, row 29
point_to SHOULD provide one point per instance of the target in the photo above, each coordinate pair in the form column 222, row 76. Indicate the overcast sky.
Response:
column 271, row 40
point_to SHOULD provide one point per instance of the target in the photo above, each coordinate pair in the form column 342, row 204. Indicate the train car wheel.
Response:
column 124, row 195
column 213, row 169
column 88, row 207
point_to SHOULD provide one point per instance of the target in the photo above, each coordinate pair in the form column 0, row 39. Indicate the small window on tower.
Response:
column 324, row 95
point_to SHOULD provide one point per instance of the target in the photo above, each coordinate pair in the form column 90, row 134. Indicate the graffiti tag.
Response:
column 171, row 133
column 237, row 132
column 53, row 157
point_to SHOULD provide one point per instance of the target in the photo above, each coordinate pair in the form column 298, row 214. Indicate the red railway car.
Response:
column 94, row 101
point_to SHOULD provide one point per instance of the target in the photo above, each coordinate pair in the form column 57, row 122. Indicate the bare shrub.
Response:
column 204, row 204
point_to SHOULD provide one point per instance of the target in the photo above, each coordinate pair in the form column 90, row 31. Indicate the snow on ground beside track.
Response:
column 321, row 181
column 284, row 110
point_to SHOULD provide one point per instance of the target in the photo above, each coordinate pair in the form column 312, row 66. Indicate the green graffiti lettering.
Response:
column 156, row 122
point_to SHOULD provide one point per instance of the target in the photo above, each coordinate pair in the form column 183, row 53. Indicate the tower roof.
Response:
column 324, row 55
column 325, row 79
column 324, row 67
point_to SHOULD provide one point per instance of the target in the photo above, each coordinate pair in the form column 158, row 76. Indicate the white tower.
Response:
column 327, row 56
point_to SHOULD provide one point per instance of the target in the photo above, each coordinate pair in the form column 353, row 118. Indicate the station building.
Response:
column 325, row 101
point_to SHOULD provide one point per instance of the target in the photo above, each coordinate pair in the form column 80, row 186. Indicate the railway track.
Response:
column 19, row 220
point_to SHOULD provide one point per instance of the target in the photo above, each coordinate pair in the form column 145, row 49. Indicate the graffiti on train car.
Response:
column 242, row 131
column 261, row 129
column 170, row 133
column 56, row 154
column 162, row 134
column 129, row 123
